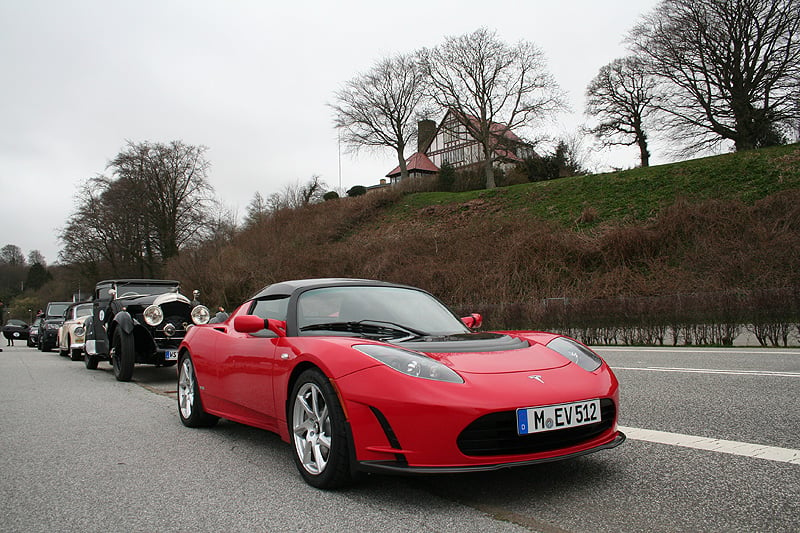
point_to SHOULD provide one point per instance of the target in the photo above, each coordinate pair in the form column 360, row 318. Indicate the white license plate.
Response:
column 170, row 355
column 552, row 417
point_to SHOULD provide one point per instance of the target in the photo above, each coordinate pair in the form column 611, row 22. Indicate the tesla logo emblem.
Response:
column 537, row 378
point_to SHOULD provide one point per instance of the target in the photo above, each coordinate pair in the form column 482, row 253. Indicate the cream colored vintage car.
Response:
column 72, row 334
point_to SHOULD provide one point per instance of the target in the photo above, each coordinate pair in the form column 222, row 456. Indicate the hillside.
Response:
column 716, row 225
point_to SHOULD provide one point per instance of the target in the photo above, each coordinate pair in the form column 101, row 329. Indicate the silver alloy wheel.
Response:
column 186, row 388
column 312, row 428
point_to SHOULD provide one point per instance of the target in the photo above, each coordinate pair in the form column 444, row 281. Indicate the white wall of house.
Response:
column 454, row 145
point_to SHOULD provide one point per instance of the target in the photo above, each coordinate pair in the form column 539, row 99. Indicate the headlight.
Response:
column 410, row 363
column 80, row 331
column 200, row 314
column 576, row 352
column 51, row 326
column 153, row 315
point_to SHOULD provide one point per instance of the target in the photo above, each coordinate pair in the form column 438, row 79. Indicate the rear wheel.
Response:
column 318, row 432
column 190, row 406
column 124, row 356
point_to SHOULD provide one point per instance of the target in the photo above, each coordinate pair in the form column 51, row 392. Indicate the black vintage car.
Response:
column 51, row 321
column 15, row 330
column 139, row 321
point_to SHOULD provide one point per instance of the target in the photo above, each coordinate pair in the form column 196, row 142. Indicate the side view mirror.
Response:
column 473, row 321
column 252, row 323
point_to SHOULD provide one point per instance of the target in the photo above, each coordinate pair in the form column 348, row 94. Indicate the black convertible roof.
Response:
column 285, row 288
column 141, row 281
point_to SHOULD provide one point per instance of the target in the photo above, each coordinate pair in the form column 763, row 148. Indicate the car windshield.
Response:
column 82, row 310
column 131, row 289
column 57, row 309
column 381, row 311
column 15, row 322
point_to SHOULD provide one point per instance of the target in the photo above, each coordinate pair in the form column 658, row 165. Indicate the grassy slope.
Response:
column 638, row 194
column 721, row 223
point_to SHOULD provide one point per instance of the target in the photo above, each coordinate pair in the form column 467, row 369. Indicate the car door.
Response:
column 247, row 367
column 63, row 335
column 97, row 329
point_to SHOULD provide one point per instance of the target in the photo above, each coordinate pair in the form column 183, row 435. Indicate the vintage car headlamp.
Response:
column 153, row 315
column 80, row 331
column 410, row 363
column 576, row 352
column 200, row 314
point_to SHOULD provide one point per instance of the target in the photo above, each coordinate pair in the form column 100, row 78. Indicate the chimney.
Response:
column 426, row 130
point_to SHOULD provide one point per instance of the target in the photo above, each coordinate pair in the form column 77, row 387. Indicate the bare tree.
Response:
column 35, row 256
column 109, row 229
column 171, row 180
column 493, row 87
column 12, row 255
column 159, row 202
column 730, row 68
column 620, row 97
column 378, row 108
column 295, row 196
column 257, row 210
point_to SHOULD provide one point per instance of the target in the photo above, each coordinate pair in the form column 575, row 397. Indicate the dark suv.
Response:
column 139, row 321
column 51, row 321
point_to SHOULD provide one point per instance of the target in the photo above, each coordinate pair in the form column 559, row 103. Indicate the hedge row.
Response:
column 771, row 316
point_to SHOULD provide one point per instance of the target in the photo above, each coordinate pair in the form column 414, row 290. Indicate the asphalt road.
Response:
column 80, row 451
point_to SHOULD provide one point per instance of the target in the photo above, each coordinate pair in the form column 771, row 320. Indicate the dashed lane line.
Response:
column 770, row 453
column 767, row 373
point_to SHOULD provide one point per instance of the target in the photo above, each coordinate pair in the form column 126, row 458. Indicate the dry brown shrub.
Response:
column 589, row 215
column 479, row 257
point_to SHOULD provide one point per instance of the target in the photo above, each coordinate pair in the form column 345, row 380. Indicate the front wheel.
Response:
column 76, row 354
column 190, row 406
column 318, row 432
column 91, row 361
column 124, row 356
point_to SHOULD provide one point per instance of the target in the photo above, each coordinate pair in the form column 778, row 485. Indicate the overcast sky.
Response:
column 250, row 80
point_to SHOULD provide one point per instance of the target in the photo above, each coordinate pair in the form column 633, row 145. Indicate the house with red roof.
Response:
column 454, row 141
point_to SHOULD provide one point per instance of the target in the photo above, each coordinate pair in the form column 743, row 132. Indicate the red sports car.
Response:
column 363, row 375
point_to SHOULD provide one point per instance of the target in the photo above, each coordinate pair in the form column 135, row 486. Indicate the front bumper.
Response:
column 398, row 468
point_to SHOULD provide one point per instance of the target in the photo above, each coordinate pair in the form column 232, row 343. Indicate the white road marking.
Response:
column 710, row 371
column 770, row 453
column 689, row 349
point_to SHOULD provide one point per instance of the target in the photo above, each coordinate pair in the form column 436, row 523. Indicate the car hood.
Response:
column 489, row 353
column 79, row 321
column 149, row 299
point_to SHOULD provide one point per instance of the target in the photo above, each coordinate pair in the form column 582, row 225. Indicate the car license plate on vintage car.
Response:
column 552, row 417
column 171, row 355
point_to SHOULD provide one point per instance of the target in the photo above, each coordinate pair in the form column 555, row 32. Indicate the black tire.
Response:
column 190, row 405
column 65, row 352
column 124, row 356
column 318, row 432
column 91, row 361
column 76, row 354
